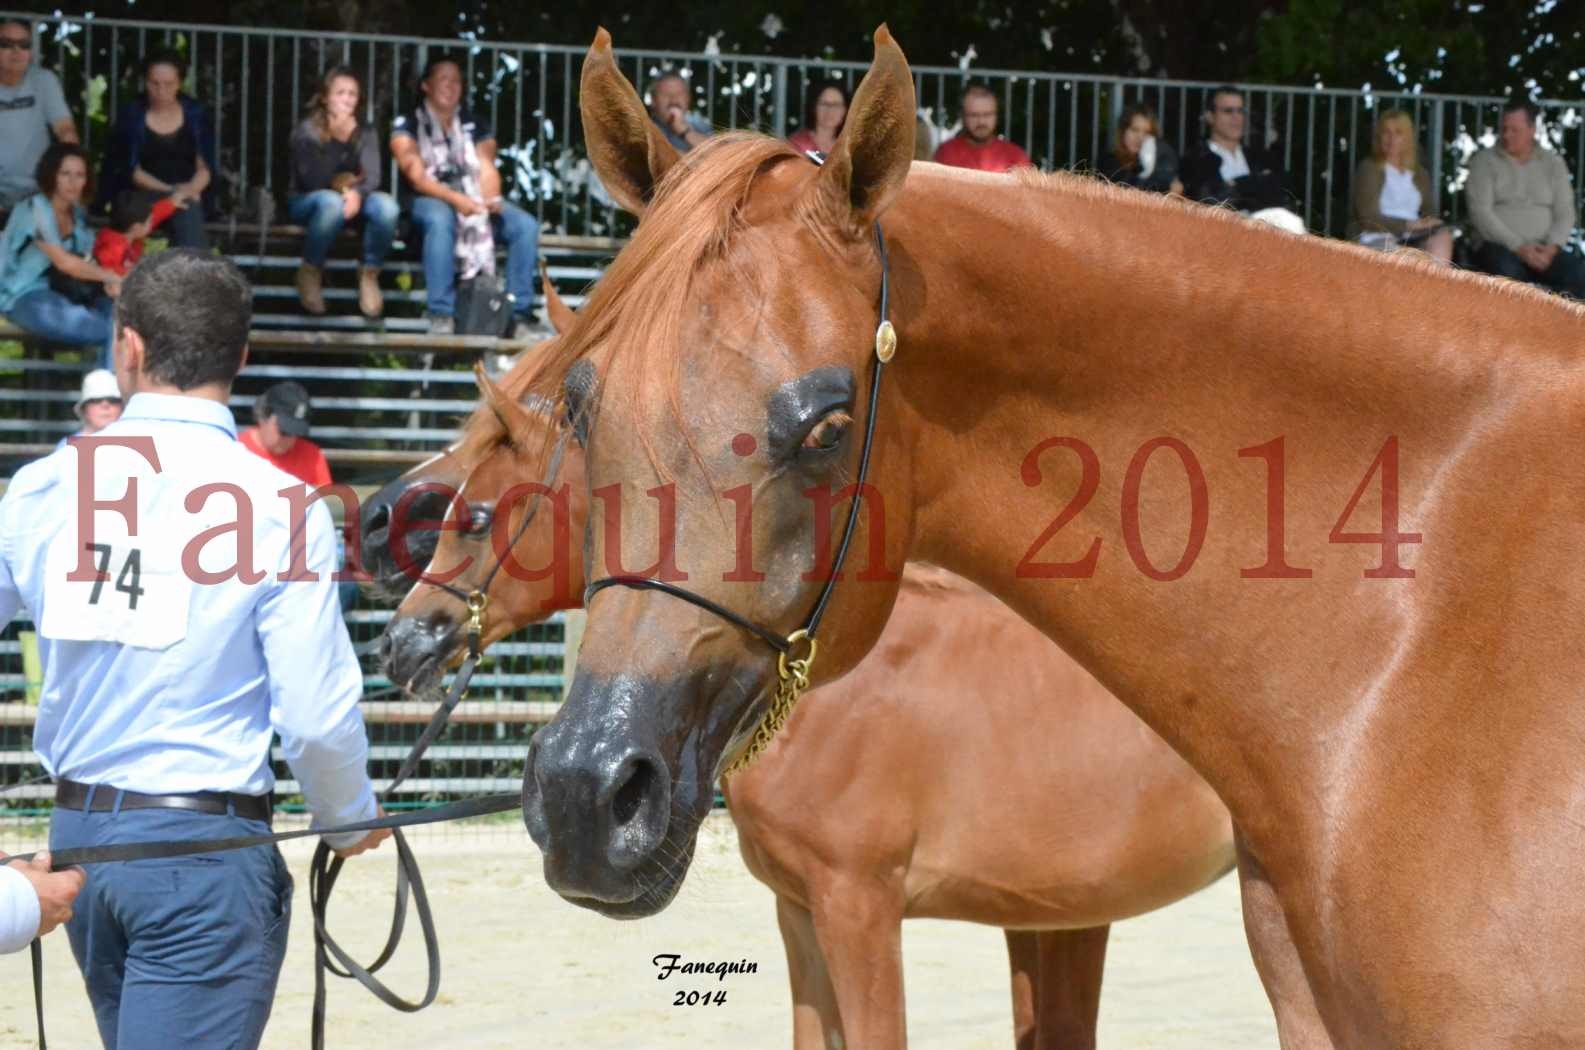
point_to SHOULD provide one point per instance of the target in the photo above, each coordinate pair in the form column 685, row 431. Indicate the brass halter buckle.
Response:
column 793, row 672
column 478, row 601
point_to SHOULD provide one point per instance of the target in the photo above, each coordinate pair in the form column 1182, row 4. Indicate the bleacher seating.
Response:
column 386, row 393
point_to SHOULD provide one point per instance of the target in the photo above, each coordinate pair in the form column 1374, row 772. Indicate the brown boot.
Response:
column 370, row 301
column 310, row 290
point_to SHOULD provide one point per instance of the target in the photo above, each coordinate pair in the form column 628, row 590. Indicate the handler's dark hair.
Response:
column 192, row 310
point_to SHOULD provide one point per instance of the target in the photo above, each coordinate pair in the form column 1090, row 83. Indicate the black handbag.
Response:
column 484, row 306
column 73, row 289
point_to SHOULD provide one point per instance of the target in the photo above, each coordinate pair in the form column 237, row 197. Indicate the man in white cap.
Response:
column 98, row 405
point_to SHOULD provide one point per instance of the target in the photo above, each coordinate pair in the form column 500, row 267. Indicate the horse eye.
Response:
column 828, row 433
column 480, row 517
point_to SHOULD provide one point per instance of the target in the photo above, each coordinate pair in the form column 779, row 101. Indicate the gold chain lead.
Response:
column 794, row 679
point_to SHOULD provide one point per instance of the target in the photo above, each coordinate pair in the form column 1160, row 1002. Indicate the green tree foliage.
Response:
column 1462, row 46
column 1495, row 47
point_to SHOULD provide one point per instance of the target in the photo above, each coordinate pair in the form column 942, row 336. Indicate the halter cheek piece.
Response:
column 796, row 650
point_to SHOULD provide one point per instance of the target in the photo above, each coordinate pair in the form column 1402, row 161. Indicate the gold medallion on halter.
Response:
column 885, row 341
column 794, row 679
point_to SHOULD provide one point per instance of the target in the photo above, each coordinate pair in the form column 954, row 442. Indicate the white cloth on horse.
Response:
column 451, row 150
column 1281, row 218
column 19, row 911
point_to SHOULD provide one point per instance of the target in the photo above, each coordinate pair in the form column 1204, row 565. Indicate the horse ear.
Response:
column 512, row 416
column 555, row 307
column 627, row 150
column 866, row 168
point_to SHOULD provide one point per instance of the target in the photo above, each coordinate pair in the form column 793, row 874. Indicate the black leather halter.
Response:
column 885, row 345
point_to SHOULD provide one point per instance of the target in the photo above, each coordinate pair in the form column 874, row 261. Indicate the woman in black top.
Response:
column 335, row 179
column 164, row 143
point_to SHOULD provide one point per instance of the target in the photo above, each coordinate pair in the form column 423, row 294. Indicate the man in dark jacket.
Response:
column 1226, row 170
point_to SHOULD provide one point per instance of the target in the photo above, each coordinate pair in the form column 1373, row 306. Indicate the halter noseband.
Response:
column 792, row 670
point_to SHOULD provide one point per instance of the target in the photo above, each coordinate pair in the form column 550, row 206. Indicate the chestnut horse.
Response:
column 906, row 805
column 1347, row 590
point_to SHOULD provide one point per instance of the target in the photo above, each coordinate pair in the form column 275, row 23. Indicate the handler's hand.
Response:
column 370, row 841
column 56, row 889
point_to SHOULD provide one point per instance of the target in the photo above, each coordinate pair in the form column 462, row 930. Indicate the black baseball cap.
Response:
column 288, row 403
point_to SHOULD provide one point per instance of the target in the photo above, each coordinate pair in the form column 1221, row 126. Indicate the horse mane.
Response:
column 696, row 210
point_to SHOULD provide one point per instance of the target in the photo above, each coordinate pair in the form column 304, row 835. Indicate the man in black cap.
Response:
column 281, row 436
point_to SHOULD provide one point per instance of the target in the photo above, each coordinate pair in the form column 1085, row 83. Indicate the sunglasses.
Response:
column 13, row 43
column 1231, row 110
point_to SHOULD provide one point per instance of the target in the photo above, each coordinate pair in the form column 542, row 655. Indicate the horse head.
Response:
column 718, row 382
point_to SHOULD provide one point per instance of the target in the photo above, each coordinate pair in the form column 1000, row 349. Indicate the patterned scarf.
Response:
column 451, row 150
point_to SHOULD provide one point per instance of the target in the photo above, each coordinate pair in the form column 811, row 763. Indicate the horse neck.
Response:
column 1031, row 311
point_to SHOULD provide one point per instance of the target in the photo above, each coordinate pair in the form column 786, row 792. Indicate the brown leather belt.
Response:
column 70, row 794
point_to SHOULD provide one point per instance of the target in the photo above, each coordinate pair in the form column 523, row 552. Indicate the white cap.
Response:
column 97, row 385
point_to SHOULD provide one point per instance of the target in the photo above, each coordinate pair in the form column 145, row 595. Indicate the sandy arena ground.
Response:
column 524, row 969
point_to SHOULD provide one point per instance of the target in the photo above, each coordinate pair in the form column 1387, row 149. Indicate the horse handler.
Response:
column 185, row 613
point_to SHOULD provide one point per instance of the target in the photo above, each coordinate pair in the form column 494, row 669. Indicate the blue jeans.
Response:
column 53, row 317
column 514, row 227
column 320, row 212
column 184, row 951
column 1565, row 275
column 185, row 228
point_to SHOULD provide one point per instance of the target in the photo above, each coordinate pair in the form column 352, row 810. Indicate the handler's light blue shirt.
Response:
column 186, row 699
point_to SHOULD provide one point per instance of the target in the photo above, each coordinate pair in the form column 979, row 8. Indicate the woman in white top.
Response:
column 1393, row 194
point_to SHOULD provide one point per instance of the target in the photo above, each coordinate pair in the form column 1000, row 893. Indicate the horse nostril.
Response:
column 630, row 796
column 379, row 517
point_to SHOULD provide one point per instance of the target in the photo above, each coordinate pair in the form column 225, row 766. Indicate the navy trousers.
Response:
column 180, row 952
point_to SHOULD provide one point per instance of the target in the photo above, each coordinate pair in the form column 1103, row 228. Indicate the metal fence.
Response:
column 258, row 82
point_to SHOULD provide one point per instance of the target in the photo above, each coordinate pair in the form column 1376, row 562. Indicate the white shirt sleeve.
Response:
column 315, row 686
column 19, row 911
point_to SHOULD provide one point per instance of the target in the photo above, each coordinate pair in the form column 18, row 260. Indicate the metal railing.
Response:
column 258, row 82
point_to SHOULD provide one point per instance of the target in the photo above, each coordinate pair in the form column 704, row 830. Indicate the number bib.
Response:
column 141, row 595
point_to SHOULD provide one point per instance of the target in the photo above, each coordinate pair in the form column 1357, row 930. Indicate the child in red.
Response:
column 132, row 218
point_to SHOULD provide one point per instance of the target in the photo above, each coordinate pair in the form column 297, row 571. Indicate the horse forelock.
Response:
column 636, row 310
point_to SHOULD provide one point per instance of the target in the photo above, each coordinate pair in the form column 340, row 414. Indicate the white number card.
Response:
column 135, row 591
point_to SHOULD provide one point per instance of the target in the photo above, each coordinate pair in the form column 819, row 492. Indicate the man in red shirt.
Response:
column 978, row 146
column 281, row 436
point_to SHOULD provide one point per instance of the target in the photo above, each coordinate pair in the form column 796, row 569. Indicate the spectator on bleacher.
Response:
column 133, row 216
column 825, row 111
column 1393, row 196
column 49, row 285
column 282, row 416
column 335, row 180
column 163, row 142
column 32, row 108
column 1139, row 158
column 978, row 145
column 98, row 405
column 1521, row 205
column 669, row 109
column 447, row 155
column 1227, row 170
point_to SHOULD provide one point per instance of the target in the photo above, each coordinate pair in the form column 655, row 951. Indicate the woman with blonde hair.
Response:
column 1139, row 158
column 1393, row 199
column 335, row 179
